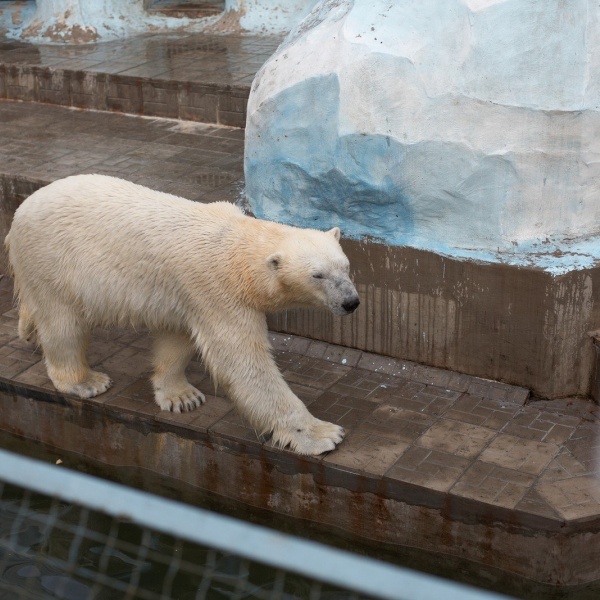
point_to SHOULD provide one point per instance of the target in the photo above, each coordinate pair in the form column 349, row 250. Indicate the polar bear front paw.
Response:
column 312, row 439
column 95, row 384
column 181, row 399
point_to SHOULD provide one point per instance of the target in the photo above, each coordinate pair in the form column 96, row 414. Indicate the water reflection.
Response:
column 52, row 549
column 179, row 57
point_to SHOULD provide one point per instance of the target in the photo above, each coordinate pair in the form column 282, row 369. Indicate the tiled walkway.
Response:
column 201, row 58
column 451, row 437
column 44, row 143
column 406, row 423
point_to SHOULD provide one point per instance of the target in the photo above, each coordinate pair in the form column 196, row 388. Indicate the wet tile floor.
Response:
column 43, row 143
column 406, row 423
column 196, row 77
column 189, row 57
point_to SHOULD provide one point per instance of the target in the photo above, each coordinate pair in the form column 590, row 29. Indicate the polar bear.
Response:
column 95, row 250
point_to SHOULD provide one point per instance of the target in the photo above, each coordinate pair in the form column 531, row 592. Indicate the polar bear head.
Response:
column 312, row 271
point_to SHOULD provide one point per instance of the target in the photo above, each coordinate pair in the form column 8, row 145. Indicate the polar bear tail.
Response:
column 26, row 327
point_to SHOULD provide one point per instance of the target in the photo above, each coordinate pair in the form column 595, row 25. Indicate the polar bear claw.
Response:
column 179, row 400
column 317, row 438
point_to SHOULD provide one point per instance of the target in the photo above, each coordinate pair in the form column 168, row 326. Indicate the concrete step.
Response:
column 195, row 77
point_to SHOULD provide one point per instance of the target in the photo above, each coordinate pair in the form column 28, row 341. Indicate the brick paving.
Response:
column 42, row 143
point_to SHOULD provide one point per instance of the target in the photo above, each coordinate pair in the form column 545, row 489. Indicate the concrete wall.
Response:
column 521, row 325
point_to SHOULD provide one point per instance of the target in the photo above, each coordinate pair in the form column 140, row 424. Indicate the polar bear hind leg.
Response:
column 64, row 338
column 172, row 391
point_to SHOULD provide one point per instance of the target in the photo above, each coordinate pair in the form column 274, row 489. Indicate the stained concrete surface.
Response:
column 434, row 459
column 191, row 9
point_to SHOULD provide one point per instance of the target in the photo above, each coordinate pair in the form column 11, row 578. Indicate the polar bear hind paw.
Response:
column 182, row 399
column 95, row 384
column 318, row 437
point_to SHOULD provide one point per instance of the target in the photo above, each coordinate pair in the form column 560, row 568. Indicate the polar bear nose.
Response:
column 351, row 305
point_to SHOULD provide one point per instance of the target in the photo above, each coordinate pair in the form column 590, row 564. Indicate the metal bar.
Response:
column 281, row 551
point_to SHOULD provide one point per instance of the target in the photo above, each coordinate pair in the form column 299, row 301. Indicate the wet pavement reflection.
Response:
column 221, row 59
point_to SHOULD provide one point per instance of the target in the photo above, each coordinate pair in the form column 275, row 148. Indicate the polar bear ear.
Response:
column 274, row 261
column 335, row 232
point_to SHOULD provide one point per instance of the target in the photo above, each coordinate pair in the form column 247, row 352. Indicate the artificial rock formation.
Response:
column 465, row 127
column 268, row 16
column 85, row 21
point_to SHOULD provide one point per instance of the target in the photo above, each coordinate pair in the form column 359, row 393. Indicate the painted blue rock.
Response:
column 465, row 127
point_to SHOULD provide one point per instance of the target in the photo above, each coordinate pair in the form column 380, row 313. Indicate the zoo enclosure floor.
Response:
column 415, row 434
column 446, row 432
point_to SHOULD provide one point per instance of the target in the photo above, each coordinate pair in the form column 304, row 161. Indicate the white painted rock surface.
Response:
column 270, row 16
column 85, row 21
column 466, row 127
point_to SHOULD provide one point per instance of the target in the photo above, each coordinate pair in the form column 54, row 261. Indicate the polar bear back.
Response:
column 121, row 251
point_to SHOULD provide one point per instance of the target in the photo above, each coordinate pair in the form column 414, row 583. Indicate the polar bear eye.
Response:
column 318, row 275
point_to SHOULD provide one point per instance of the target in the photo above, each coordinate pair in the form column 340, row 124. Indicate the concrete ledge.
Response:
column 520, row 325
column 394, row 513
column 194, row 77
column 191, row 101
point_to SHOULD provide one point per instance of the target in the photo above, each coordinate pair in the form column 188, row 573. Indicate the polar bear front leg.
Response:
column 172, row 391
column 271, row 407
column 64, row 339
column 241, row 360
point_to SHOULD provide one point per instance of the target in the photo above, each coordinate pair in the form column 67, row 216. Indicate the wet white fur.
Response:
column 93, row 250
